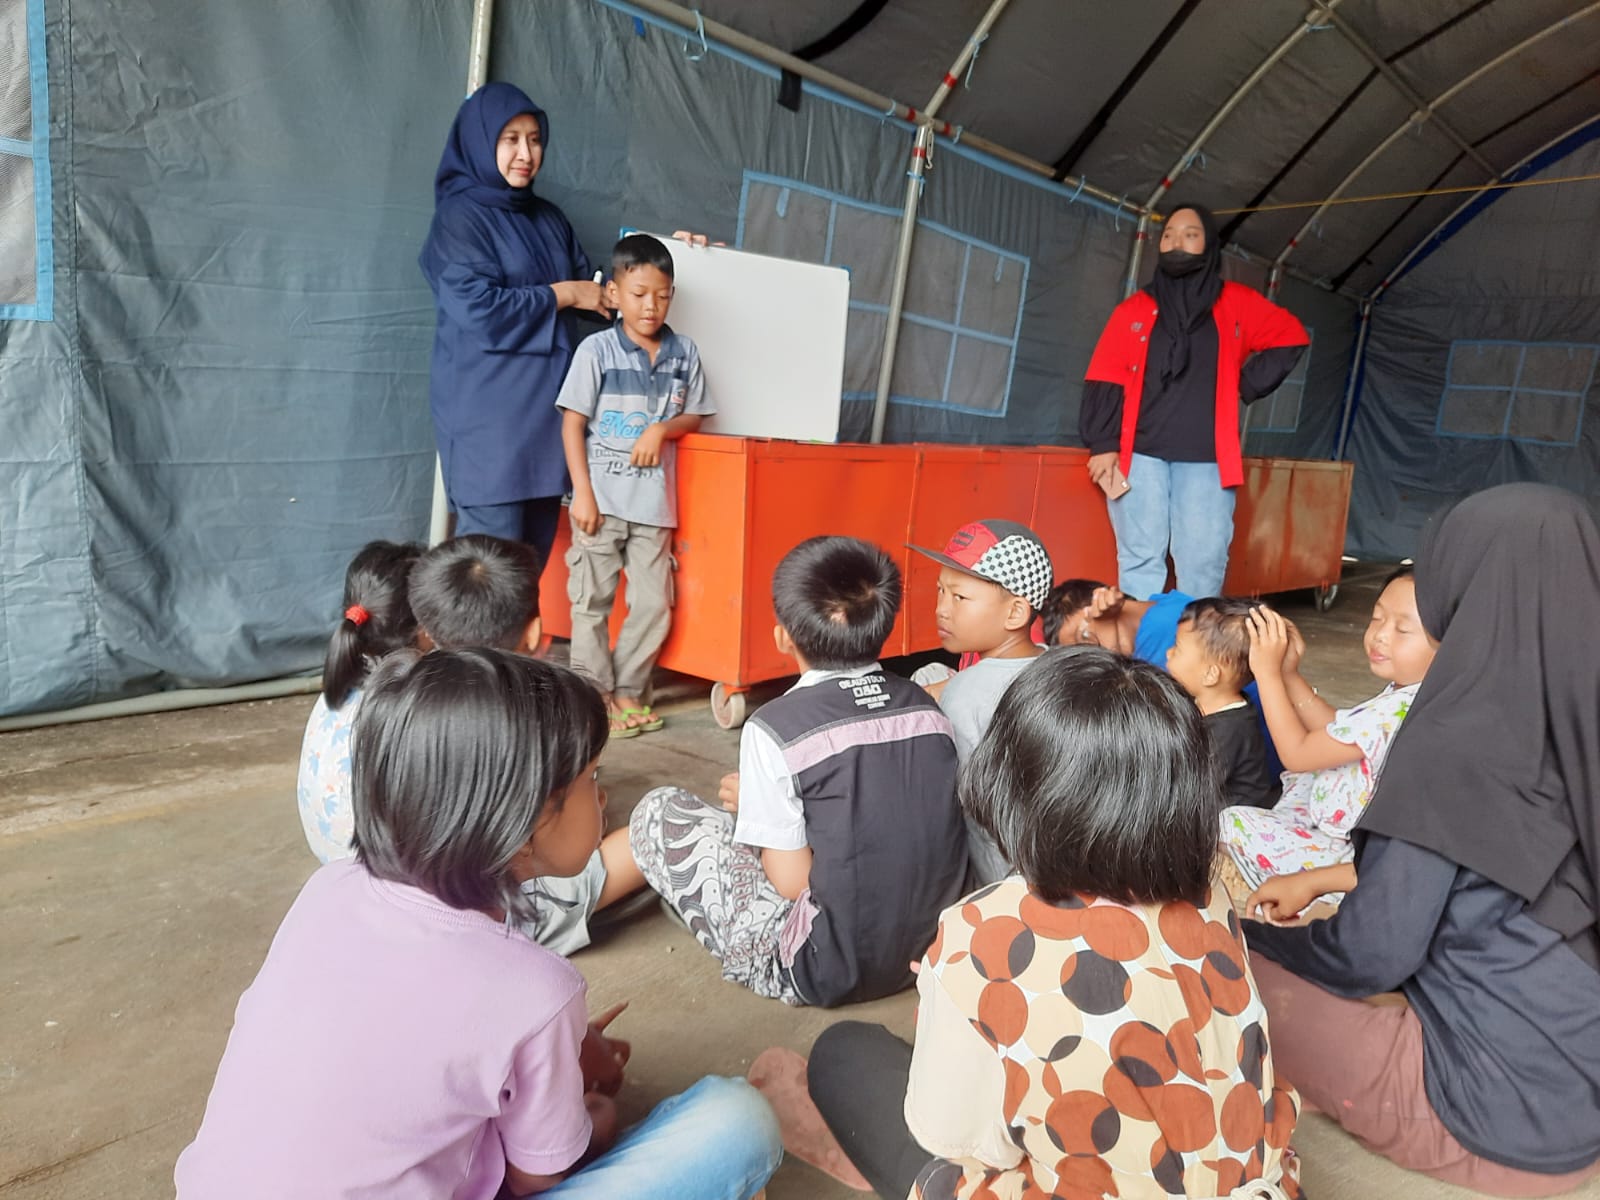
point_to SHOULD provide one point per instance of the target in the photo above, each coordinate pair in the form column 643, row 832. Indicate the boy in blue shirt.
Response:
column 631, row 393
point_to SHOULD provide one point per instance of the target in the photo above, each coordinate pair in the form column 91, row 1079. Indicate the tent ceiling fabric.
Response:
column 1049, row 67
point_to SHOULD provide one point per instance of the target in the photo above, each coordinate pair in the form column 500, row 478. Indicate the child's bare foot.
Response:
column 779, row 1074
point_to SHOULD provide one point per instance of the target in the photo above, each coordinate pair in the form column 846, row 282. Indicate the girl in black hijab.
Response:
column 1478, row 860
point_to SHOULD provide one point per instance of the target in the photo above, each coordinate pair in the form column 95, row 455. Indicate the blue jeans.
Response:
column 716, row 1141
column 531, row 521
column 1178, row 505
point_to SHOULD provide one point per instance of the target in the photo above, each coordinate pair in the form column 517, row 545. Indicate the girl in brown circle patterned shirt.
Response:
column 1088, row 1027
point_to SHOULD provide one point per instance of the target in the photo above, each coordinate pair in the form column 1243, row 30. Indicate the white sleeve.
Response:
column 956, row 1095
column 770, row 815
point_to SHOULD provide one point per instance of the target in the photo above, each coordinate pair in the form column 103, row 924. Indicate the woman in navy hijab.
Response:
column 506, row 272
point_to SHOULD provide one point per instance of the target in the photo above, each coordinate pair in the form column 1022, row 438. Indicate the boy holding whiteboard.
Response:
column 630, row 394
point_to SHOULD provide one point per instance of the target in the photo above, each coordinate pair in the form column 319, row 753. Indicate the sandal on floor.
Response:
column 620, row 727
column 651, row 722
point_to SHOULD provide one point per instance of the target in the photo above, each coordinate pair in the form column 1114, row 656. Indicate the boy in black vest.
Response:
column 839, row 840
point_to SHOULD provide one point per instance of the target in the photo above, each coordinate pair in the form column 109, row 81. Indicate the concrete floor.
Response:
column 146, row 862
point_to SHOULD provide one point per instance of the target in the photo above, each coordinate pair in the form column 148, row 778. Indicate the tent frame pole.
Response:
column 477, row 75
column 921, row 154
column 1320, row 12
column 691, row 22
column 1426, row 111
column 1356, row 360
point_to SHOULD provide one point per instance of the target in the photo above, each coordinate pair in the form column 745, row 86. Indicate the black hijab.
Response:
column 1184, row 288
column 1497, row 765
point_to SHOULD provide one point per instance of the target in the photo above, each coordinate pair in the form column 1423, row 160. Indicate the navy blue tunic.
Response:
column 502, row 347
column 1510, row 1014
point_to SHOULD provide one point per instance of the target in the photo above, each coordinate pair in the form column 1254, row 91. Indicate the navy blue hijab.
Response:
column 468, row 166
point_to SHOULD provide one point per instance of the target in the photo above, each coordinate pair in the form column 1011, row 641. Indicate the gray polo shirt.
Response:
column 613, row 382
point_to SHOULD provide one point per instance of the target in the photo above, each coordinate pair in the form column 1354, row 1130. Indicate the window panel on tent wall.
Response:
column 26, row 252
column 1533, row 392
column 1280, row 412
column 963, row 303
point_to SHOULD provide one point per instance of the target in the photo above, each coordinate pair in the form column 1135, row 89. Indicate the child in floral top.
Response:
column 377, row 621
column 1089, row 1026
column 1333, row 756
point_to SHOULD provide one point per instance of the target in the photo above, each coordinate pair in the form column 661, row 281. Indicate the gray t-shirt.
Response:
column 969, row 700
column 971, row 696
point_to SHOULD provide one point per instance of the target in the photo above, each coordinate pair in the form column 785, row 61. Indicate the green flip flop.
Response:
column 651, row 722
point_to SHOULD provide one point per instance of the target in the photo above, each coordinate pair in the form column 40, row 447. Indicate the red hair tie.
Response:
column 357, row 615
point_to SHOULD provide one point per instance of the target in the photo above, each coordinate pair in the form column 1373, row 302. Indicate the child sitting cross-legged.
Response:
column 1210, row 658
column 845, row 840
column 399, row 1040
column 480, row 591
column 1334, row 757
column 1089, row 1026
column 994, row 576
column 377, row 620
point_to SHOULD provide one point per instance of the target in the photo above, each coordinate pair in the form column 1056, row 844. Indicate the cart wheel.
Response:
column 727, row 705
column 1325, row 596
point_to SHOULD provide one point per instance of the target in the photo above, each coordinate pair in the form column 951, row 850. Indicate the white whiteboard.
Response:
column 771, row 338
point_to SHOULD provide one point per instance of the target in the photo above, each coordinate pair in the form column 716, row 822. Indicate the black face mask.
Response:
column 1178, row 263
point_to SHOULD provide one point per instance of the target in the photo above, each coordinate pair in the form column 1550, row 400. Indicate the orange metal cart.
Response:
column 743, row 502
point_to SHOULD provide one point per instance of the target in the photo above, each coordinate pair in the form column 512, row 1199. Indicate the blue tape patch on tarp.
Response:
column 37, row 149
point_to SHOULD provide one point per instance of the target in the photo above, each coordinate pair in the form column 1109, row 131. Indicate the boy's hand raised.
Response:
column 728, row 792
column 1104, row 602
column 647, row 450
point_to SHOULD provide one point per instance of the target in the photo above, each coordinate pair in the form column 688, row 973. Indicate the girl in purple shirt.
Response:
column 402, row 1038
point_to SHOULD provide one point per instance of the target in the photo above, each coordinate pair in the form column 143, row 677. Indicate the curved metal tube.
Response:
column 1316, row 16
column 1425, row 113
column 1400, row 267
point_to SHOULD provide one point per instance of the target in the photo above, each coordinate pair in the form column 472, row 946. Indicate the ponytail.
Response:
column 377, row 617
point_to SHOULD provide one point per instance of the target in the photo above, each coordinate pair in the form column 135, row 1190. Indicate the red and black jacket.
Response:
column 1247, row 322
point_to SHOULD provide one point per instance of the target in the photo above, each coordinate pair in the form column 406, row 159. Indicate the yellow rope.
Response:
column 1449, row 191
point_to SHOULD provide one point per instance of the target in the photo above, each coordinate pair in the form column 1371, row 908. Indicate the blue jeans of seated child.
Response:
column 716, row 1141
column 1180, row 505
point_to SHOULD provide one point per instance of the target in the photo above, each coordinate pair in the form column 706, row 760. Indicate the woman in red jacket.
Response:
column 1160, row 409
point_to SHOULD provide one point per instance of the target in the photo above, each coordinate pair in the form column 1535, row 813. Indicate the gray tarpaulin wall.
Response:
column 213, row 367
column 1483, row 360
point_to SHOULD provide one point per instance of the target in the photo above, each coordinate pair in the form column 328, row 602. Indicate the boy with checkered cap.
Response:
column 994, row 576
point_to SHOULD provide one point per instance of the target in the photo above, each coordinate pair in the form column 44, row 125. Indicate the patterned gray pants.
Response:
column 686, row 850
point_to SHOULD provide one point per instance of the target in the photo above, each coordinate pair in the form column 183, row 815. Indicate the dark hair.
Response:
column 1066, row 598
column 1403, row 571
column 456, row 754
column 1222, row 623
column 476, row 590
column 1095, row 778
column 640, row 250
column 376, row 581
column 837, row 597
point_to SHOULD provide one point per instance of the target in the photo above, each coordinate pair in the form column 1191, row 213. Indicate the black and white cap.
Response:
column 1003, row 552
